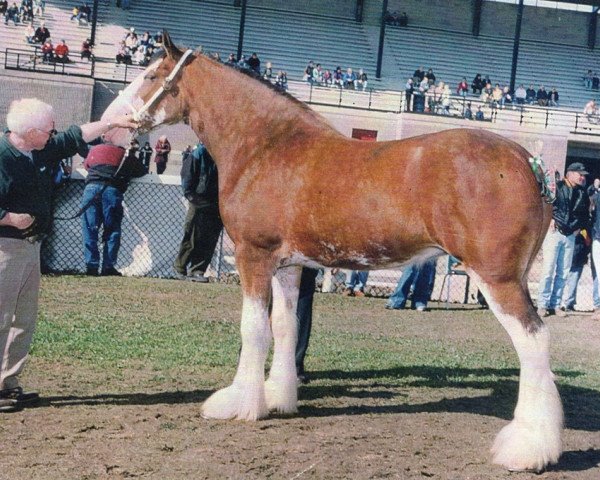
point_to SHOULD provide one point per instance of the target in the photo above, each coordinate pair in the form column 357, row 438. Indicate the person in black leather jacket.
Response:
column 203, row 225
column 570, row 215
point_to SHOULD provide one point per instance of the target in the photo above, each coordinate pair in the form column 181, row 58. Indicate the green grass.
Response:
column 170, row 326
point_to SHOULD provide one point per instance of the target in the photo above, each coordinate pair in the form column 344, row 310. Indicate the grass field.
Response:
column 124, row 364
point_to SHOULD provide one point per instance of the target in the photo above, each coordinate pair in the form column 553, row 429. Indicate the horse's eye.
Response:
column 150, row 76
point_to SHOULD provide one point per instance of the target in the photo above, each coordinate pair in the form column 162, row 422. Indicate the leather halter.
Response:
column 142, row 114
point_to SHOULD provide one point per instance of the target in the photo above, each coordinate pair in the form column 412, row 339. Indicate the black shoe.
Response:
column 303, row 379
column 111, row 272
column 197, row 277
column 16, row 397
column 91, row 271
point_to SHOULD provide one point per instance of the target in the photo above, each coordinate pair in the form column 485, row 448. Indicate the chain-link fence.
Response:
column 153, row 227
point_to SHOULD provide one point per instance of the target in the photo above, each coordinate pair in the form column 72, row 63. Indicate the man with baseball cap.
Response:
column 570, row 214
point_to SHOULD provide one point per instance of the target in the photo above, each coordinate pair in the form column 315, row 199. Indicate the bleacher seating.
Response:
column 456, row 55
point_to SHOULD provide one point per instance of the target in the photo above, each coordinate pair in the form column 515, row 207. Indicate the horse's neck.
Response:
column 235, row 115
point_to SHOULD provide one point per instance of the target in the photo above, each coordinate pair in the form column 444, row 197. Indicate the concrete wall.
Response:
column 70, row 97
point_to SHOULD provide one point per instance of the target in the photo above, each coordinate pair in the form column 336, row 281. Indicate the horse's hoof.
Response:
column 234, row 402
column 282, row 397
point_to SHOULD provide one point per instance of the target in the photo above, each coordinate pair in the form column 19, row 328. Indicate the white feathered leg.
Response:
column 244, row 399
column 532, row 440
column 281, row 388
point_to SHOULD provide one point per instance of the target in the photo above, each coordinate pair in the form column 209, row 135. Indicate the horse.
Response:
column 287, row 194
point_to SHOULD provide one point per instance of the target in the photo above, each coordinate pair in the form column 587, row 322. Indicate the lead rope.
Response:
column 542, row 175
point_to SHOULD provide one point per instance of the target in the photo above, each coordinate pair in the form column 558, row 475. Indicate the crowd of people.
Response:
column 138, row 50
column 316, row 75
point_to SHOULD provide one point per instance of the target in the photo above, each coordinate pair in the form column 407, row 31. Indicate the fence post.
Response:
column 370, row 96
column 340, row 102
column 547, row 117
column 576, row 121
column 310, row 92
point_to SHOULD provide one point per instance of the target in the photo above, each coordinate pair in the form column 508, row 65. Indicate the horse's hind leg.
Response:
column 533, row 439
column 281, row 388
column 244, row 399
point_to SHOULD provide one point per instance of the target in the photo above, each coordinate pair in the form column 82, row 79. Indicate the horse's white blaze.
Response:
column 244, row 399
column 533, row 439
column 281, row 387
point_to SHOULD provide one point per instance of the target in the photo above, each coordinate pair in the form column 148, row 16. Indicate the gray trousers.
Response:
column 19, row 289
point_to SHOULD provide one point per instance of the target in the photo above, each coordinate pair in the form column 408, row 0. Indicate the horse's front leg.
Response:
column 282, row 386
column 244, row 399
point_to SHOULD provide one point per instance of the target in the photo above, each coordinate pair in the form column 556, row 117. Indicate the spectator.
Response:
column 520, row 95
column 304, row 318
column 203, row 225
column 350, row 79
column 86, row 49
column 403, row 19
column 41, row 34
column 430, row 76
column 496, row 96
column 85, row 13
column 243, row 62
column 123, row 54
column 463, row 88
column 327, row 78
column 109, row 170
column 477, row 84
column 308, row 72
column 145, row 155
column 47, row 51
column 161, row 157
column 468, row 114
column 158, row 39
column 553, row 98
column 317, row 75
column 30, row 33
column 231, row 60
column 38, row 7
column 281, row 80
column 409, row 89
column 338, row 77
column 391, row 18
column 590, row 111
column 362, row 80
column 419, row 75
column 570, row 214
column 486, row 93
column 131, row 40
column 542, row 97
column 479, row 115
column 3, row 7
column 145, row 43
column 12, row 13
column 74, row 13
column 593, row 189
column 595, row 81
column 61, row 52
column 254, row 63
column 506, row 97
column 530, row 96
column 445, row 100
column 587, row 79
column 355, row 285
column 26, row 13
column 268, row 73
column 583, row 243
column 420, row 278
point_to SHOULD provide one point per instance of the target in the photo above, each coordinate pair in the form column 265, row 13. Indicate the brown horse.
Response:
column 287, row 186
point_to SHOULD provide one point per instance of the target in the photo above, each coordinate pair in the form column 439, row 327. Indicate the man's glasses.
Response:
column 50, row 133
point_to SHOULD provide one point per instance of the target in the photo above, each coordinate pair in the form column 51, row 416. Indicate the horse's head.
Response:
column 154, row 96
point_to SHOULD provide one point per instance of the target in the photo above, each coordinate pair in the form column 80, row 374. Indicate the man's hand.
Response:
column 123, row 121
column 22, row 221
column 552, row 226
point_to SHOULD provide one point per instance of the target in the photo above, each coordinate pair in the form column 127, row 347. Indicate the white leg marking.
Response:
column 281, row 388
column 533, row 439
column 244, row 399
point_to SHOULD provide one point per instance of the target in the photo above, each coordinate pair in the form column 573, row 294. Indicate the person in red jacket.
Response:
column 162, row 149
column 61, row 51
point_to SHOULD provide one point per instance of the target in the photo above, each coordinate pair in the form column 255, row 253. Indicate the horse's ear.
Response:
column 170, row 48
